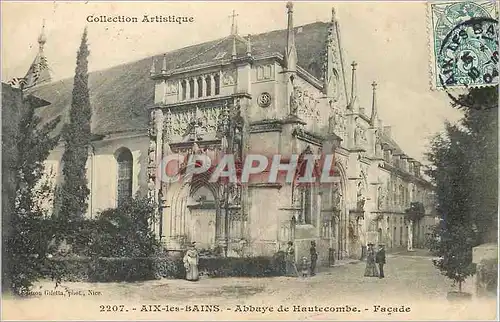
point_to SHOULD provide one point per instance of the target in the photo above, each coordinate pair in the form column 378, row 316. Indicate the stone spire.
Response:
column 42, row 39
column 354, row 94
column 290, row 56
column 374, row 116
column 38, row 71
column 152, row 70
column 234, row 53
column 330, row 60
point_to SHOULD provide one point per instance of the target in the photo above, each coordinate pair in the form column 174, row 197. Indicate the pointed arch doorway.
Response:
column 196, row 214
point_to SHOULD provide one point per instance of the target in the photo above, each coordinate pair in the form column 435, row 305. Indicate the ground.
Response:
column 412, row 285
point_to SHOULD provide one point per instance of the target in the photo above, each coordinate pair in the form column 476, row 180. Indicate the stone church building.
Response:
column 282, row 92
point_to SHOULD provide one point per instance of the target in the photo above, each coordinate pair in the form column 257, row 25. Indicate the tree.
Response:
column 73, row 193
column 30, row 233
column 465, row 171
column 480, row 106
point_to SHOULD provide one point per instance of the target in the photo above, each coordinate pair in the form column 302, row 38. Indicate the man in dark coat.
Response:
column 380, row 260
column 314, row 257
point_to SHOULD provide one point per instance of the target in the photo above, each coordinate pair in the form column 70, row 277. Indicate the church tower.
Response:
column 38, row 73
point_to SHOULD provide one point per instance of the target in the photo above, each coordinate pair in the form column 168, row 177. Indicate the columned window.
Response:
column 124, row 161
column 217, row 84
column 191, row 88
column 307, row 205
column 208, row 81
column 200, row 87
column 184, row 89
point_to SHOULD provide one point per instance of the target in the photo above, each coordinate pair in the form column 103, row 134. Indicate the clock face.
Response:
column 264, row 99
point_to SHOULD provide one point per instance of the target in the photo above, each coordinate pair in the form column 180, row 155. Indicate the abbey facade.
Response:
column 283, row 92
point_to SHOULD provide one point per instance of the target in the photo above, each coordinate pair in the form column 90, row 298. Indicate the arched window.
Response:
column 124, row 162
column 306, row 214
column 208, row 80
column 217, row 84
column 200, row 86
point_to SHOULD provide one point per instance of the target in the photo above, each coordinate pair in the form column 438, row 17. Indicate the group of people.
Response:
column 308, row 266
column 374, row 259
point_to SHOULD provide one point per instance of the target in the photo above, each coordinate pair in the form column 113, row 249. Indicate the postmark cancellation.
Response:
column 463, row 44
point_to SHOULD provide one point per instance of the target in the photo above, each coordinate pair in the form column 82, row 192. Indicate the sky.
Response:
column 388, row 40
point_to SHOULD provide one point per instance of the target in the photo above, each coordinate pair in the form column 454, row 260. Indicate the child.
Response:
column 305, row 267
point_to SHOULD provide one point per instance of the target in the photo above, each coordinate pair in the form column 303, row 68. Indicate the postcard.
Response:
column 249, row 160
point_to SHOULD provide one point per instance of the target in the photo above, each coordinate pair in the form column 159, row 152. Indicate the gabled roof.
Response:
column 396, row 149
column 120, row 95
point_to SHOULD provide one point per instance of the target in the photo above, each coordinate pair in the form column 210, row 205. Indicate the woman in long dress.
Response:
column 371, row 268
column 191, row 263
column 291, row 267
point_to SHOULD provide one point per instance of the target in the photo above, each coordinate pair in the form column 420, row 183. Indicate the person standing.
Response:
column 314, row 257
column 191, row 263
column 371, row 268
column 305, row 267
column 380, row 260
column 291, row 267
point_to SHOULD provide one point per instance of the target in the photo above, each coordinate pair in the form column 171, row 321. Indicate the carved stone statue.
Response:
column 237, row 143
column 151, row 188
column 294, row 103
column 361, row 204
column 152, row 153
column 356, row 135
column 360, row 200
column 337, row 196
column 380, row 200
column 152, row 124
column 234, row 194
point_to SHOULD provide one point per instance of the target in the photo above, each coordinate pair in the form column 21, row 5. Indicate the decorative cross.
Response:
column 234, row 30
column 354, row 64
column 374, row 85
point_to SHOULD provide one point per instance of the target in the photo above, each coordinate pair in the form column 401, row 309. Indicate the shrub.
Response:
column 67, row 269
column 121, row 269
column 169, row 266
column 123, row 232
column 113, row 269
column 241, row 267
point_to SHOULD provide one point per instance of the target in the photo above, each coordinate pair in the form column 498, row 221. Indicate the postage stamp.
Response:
column 464, row 44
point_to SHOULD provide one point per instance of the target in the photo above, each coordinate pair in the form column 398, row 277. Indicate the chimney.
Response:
column 164, row 64
column 387, row 131
column 249, row 46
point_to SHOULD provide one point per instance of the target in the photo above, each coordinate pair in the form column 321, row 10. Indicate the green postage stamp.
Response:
column 464, row 44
